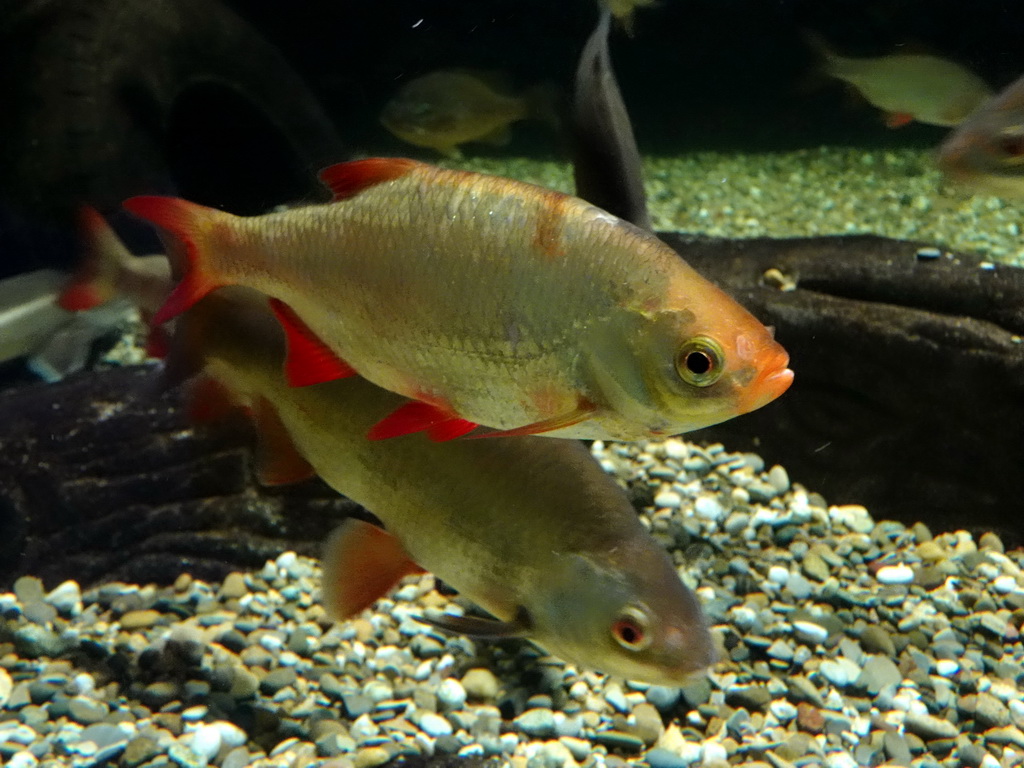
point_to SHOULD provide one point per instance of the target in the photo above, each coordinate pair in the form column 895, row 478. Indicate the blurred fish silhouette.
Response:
column 987, row 151
column 908, row 87
column 607, row 168
column 450, row 107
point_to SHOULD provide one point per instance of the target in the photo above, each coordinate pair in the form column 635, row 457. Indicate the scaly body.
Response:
column 498, row 302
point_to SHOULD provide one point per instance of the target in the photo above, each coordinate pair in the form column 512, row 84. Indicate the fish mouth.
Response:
column 774, row 377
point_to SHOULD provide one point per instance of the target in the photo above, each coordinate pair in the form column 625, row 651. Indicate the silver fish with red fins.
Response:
column 487, row 301
column 531, row 530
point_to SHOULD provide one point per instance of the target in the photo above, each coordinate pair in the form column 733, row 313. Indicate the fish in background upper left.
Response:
column 486, row 301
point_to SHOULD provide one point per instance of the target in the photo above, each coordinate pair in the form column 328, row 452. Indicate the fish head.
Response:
column 706, row 366
column 987, row 151
column 624, row 612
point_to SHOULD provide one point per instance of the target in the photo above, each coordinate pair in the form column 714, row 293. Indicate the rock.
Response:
column 875, row 639
column 537, row 722
column 877, row 673
column 480, row 684
column 930, row 727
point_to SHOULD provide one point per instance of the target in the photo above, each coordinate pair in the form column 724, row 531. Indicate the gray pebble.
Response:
column 278, row 679
column 875, row 639
column 28, row 589
column 663, row 697
column 663, row 758
column 877, row 673
column 627, row 742
column 930, row 727
column 86, row 711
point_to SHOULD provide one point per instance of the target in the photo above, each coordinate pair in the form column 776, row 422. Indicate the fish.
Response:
column 607, row 169
column 444, row 109
column 987, row 151
column 486, row 301
column 908, row 87
column 623, row 10
column 532, row 531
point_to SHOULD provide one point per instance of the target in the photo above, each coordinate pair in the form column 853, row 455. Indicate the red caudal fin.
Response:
column 361, row 563
column 308, row 360
column 439, row 423
column 348, row 179
column 187, row 231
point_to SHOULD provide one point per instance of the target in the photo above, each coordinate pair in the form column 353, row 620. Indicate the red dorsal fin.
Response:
column 309, row 360
column 348, row 179
column 94, row 281
column 361, row 563
column 278, row 461
column 438, row 422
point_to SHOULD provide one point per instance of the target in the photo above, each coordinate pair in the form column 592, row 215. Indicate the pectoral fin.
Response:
column 361, row 564
column 898, row 119
column 584, row 411
column 278, row 461
column 474, row 626
column 438, row 422
column 309, row 360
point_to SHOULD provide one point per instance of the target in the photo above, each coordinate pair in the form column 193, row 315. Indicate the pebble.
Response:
column 827, row 658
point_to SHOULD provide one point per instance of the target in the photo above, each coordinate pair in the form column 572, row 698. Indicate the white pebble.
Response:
column 946, row 667
column 230, row 733
column 708, row 507
column 451, row 693
column 810, row 631
column 668, row 499
column 194, row 714
column 1004, row 585
column 205, row 741
column 83, row 683
column 714, row 752
column 778, row 575
column 6, row 685
column 435, row 725
column 22, row 759
column 676, row 449
column 895, row 574
column 840, row 760
column 783, row 710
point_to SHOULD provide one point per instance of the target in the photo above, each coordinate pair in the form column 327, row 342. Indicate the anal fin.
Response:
column 584, row 411
column 309, row 360
column 361, row 563
column 278, row 461
column 440, row 423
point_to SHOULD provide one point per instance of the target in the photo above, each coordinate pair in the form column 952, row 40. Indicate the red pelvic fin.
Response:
column 898, row 119
column 278, row 461
column 209, row 400
column 348, row 179
column 185, row 230
column 585, row 411
column 158, row 343
column 308, row 360
column 361, row 563
column 438, row 422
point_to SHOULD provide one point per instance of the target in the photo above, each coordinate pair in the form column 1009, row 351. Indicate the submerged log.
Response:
column 101, row 478
column 909, row 390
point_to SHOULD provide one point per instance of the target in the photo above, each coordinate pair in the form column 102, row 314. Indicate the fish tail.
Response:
column 830, row 61
column 187, row 230
column 95, row 281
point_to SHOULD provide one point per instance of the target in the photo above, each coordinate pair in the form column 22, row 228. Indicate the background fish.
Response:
column 531, row 530
column 622, row 10
column 908, row 87
column 987, row 151
column 487, row 300
column 450, row 107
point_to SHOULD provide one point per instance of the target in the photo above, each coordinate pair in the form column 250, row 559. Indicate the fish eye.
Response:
column 631, row 630
column 1011, row 142
column 699, row 362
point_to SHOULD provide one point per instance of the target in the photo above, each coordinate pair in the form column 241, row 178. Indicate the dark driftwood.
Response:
column 909, row 391
column 101, row 478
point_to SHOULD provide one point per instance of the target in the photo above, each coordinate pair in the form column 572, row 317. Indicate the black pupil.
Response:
column 698, row 363
column 1013, row 145
column 629, row 633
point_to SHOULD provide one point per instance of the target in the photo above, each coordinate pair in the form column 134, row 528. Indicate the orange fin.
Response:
column 209, row 400
column 585, row 411
column 348, row 179
column 361, row 564
column 185, row 230
column 898, row 119
column 278, row 461
column 439, row 423
column 309, row 360
column 94, row 282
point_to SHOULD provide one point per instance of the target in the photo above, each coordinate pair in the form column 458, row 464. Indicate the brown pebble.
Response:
column 183, row 582
column 140, row 619
column 233, row 586
column 809, row 718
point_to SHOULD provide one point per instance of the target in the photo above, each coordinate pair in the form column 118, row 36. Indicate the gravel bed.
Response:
column 819, row 191
column 844, row 642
